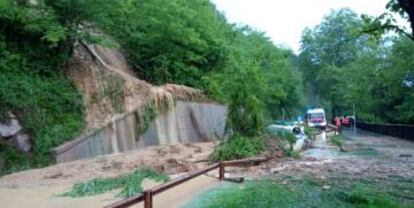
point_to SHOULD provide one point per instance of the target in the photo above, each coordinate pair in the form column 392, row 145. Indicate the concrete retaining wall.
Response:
column 186, row 122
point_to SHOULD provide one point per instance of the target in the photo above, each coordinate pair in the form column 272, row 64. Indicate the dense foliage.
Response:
column 190, row 42
column 375, row 76
column 33, row 48
column 166, row 41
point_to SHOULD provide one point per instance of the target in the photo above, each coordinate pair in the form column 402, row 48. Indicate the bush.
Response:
column 237, row 147
column 12, row 160
column 50, row 109
column 310, row 132
column 337, row 140
column 289, row 137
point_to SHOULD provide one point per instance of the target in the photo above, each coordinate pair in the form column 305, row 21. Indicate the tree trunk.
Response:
column 408, row 6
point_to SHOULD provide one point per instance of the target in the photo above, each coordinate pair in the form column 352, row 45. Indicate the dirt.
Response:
column 172, row 159
column 110, row 87
column 38, row 188
column 366, row 155
column 46, row 197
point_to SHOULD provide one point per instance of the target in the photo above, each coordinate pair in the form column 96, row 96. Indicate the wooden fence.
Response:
column 147, row 195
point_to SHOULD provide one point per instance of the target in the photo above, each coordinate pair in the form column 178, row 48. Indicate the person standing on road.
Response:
column 338, row 124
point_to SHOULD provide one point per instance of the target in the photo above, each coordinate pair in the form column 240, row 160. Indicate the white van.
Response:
column 316, row 118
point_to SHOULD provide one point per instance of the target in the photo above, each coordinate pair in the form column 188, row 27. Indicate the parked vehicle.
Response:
column 294, row 127
column 316, row 118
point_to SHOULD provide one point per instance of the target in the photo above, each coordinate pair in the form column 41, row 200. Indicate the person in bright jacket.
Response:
column 338, row 124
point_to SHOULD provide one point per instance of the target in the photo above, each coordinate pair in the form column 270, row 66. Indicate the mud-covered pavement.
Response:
column 373, row 171
column 379, row 160
column 366, row 155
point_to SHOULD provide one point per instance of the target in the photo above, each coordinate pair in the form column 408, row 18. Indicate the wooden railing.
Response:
column 147, row 195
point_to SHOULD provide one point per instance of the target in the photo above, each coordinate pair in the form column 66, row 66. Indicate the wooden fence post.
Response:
column 221, row 171
column 148, row 199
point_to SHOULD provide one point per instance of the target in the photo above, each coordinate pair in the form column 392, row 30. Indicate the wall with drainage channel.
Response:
column 184, row 122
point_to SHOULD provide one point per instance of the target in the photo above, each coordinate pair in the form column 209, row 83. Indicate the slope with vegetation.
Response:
column 180, row 41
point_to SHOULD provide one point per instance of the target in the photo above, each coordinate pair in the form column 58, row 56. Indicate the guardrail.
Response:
column 147, row 195
column 403, row 131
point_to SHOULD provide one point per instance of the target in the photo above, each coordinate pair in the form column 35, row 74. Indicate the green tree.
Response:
column 325, row 50
column 378, row 26
column 171, row 40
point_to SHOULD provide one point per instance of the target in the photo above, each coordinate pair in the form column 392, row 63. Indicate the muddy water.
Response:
column 46, row 197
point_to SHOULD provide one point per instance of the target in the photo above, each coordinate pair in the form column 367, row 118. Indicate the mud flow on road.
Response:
column 378, row 164
column 367, row 156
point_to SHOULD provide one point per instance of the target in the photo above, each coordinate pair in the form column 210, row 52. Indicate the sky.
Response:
column 283, row 20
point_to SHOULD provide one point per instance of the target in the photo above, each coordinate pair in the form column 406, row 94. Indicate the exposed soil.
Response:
column 171, row 160
column 38, row 188
column 367, row 155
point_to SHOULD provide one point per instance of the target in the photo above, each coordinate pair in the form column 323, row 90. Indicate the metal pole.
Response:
column 353, row 109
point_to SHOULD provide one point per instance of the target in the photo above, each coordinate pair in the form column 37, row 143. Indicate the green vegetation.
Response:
column 130, row 184
column 386, row 22
column 338, row 141
column 145, row 116
column 32, row 85
column 166, row 41
column 289, row 137
column 375, row 75
column 310, row 132
column 237, row 147
column 13, row 159
column 305, row 192
column 189, row 42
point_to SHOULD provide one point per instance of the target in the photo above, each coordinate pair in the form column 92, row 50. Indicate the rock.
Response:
column 22, row 142
column 10, row 128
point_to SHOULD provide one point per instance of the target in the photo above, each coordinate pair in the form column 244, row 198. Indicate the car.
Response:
column 289, row 126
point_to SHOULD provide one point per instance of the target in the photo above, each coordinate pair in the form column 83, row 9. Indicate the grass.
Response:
column 304, row 192
column 131, row 184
